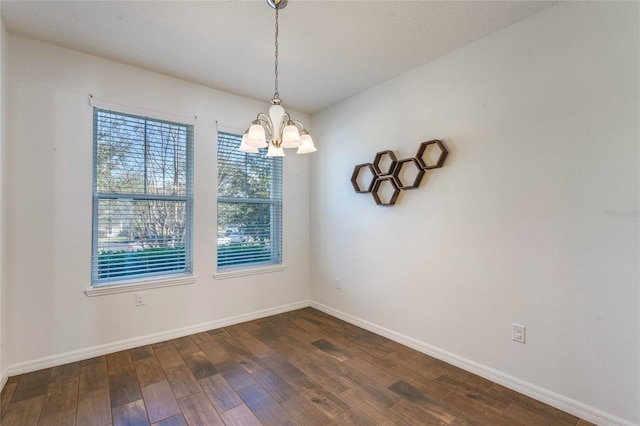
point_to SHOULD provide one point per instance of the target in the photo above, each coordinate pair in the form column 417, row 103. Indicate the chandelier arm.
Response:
column 284, row 121
column 263, row 117
column 265, row 122
column 299, row 124
column 275, row 139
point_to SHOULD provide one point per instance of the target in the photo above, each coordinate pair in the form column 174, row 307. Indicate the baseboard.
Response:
column 82, row 354
column 558, row 401
column 3, row 379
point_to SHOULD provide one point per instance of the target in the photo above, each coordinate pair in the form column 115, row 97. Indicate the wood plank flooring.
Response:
column 298, row 368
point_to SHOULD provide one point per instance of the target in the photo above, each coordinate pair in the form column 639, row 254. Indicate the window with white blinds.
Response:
column 142, row 198
column 249, row 206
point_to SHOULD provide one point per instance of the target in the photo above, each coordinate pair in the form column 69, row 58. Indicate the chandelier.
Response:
column 277, row 130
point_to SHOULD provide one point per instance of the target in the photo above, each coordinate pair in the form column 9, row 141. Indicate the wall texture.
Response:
column 48, row 237
column 532, row 220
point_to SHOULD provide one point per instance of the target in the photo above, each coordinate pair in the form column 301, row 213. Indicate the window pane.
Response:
column 140, row 237
column 134, row 155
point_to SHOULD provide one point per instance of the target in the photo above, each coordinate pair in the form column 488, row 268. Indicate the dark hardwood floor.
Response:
column 302, row 367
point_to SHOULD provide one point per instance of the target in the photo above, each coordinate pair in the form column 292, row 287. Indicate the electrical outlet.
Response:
column 140, row 299
column 338, row 283
column 517, row 333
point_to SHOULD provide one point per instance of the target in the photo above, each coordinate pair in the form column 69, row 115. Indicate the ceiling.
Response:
column 329, row 50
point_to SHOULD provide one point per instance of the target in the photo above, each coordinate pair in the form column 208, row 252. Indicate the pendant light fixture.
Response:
column 277, row 130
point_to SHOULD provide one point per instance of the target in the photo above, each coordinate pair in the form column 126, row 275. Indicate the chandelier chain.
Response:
column 276, row 95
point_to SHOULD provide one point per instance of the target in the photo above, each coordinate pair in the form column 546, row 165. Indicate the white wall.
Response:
column 542, row 123
column 3, row 139
column 48, row 235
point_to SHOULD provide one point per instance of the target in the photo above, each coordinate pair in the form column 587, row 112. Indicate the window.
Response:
column 142, row 198
column 249, row 206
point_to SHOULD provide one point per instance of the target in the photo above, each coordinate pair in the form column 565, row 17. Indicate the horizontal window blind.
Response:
column 249, row 206
column 142, row 198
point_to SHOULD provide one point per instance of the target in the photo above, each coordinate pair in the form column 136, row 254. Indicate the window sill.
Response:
column 234, row 273
column 140, row 285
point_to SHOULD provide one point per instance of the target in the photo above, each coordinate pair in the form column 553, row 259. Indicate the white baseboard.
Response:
column 3, row 379
column 82, row 354
column 558, row 401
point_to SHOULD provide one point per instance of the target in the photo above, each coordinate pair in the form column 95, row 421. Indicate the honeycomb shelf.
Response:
column 363, row 178
column 384, row 163
column 428, row 150
column 404, row 171
column 385, row 177
column 385, row 191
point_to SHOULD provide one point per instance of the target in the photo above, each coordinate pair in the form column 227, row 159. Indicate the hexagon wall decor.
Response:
column 406, row 170
column 363, row 178
column 428, row 160
column 386, row 176
column 384, row 163
column 385, row 191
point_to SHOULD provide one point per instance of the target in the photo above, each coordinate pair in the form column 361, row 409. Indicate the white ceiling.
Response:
column 329, row 50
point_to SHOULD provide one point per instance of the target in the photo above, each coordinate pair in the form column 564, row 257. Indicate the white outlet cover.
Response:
column 140, row 299
column 518, row 333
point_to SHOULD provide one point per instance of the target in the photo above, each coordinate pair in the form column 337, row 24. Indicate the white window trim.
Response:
column 143, row 284
column 243, row 272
